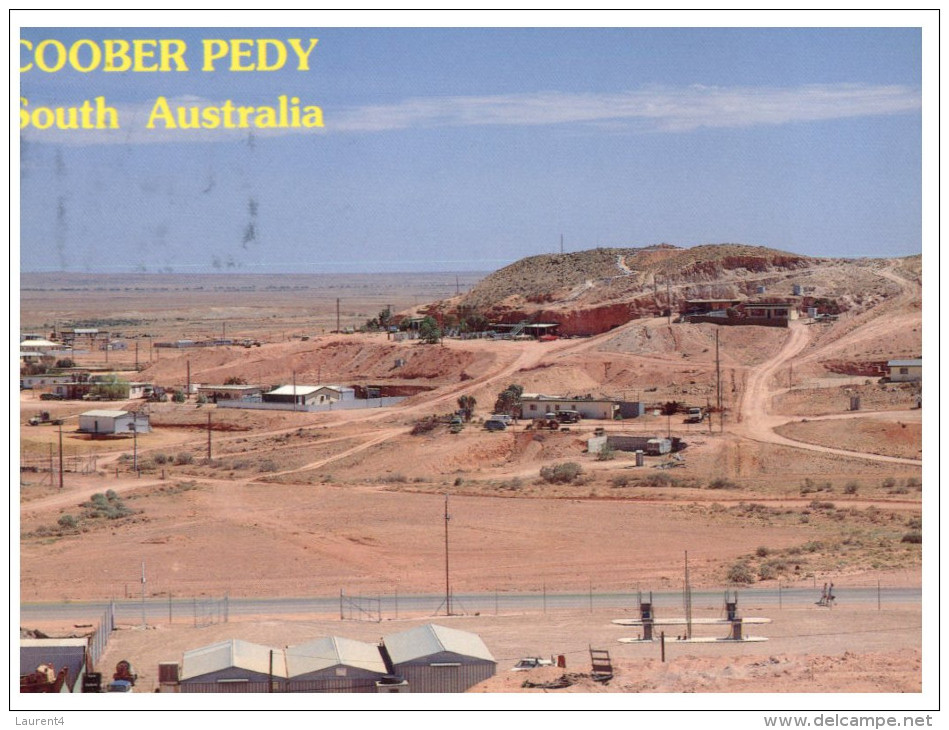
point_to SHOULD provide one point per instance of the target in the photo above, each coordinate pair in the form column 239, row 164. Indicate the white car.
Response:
column 531, row 662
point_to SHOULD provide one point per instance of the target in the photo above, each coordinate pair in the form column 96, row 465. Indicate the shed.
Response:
column 780, row 311
column 537, row 405
column 233, row 665
column 434, row 658
column 113, row 422
column 905, row 371
column 56, row 653
column 297, row 394
column 334, row 664
column 214, row 393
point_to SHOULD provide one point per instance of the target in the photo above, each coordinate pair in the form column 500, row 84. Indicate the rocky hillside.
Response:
column 592, row 291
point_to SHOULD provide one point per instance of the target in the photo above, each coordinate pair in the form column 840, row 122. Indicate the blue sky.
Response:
column 467, row 149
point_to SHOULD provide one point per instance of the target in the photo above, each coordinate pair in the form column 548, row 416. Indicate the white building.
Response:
column 113, row 422
column 906, row 371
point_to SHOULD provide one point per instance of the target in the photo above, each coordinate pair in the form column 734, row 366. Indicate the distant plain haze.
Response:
column 468, row 149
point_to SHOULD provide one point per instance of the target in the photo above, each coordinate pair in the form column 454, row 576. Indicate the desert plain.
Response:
column 785, row 486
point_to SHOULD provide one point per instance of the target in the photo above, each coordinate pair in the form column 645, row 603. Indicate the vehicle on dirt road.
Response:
column 695, row 415
column 493, row 424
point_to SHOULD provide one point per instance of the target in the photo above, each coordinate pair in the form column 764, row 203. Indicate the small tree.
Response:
column 669, row 409
column 429, row 332
column 509, row 400
column 467, row 404
column 235, row 380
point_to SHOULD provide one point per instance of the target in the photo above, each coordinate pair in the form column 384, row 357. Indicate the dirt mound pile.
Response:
column 589, row 292
column 329, row 360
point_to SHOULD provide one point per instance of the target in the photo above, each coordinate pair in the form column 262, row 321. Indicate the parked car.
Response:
column 495, row 425
column 531, row 662
column 502, row 417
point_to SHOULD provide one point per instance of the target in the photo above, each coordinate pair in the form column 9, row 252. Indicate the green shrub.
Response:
column 565, row 473
column 741, row 572
column 606, row 453
column 67, row 522
column 762, row 551
column 184, row 457
column 915, row 537
column 267, row 465
column 657, row 479
column 621, row 480
column 766, row 572
column 722, row 483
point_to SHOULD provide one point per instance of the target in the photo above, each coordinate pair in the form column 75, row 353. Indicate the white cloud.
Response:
column 661, row 109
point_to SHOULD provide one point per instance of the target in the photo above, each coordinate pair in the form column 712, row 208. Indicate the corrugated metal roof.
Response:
column 432, row 639
column 233, row 653
column 331, row 651
column 38, row 343
column 914, row 363
column 300, row 390
column 105, row 414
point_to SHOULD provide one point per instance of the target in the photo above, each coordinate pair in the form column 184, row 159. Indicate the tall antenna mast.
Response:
column 561, row 243
column 447, row 581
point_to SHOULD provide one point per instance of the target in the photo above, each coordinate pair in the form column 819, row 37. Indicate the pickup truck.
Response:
column 695, row 415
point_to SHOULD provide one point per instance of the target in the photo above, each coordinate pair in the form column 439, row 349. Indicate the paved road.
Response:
column 201, row 610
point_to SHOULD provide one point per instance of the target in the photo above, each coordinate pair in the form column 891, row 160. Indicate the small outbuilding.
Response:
column 434, row 658
column 57, row 654
column 537, row 405
column 113, row 422
column 334, row 664
column 234, row 666
column 905, row 371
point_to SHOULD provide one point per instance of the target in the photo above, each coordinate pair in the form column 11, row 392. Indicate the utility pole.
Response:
column 209, row 436
column 688, row 599
column 447, row 581
column 669, row 299
column 561, row 244
column 188, row 386
column 144, row 624
column 294, row 390
column 134, row 429
column 60, row 456
column 718, row 376
column 337, row 315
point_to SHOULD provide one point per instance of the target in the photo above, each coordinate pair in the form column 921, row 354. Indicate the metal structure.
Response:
column 602, row 666
column 359, row 608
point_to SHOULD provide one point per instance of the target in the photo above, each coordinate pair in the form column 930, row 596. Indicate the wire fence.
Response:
column 100, row 639
column 350, row 606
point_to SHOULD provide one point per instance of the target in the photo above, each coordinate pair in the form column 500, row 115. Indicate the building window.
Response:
column 904, row 371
